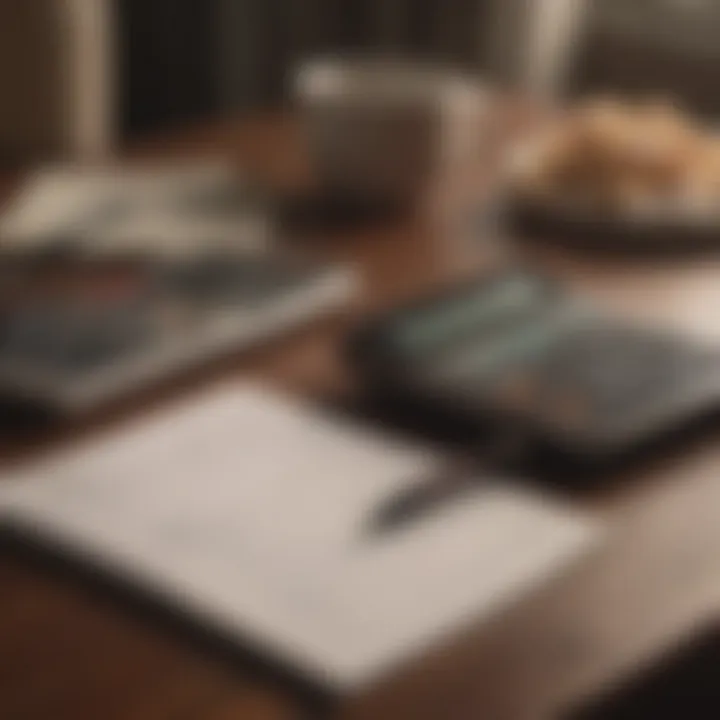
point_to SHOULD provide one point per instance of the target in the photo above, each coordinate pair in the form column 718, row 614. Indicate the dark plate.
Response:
column 608, row 233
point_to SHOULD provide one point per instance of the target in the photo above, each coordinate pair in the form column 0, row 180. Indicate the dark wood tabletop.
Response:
column 69, row 651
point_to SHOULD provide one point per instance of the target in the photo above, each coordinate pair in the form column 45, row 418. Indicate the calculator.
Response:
column 519, row 356
column 77, row 331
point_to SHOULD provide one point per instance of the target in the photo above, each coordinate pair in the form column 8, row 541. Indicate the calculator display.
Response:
column 526, row 342
column 485, row 310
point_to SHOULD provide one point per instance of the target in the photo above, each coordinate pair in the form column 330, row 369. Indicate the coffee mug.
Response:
column 387, row 130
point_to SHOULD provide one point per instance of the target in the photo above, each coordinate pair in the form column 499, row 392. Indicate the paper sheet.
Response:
column 249, row 511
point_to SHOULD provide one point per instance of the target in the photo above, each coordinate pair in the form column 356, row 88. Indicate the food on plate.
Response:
column 613, row 156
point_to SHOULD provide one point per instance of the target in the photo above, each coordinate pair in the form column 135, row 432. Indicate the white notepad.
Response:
column 249, row 511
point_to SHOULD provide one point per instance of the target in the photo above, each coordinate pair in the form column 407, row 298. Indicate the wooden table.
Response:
column 68, row 651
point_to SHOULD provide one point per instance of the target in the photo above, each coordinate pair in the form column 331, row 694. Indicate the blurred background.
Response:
column 80, row 76
column 84, row 74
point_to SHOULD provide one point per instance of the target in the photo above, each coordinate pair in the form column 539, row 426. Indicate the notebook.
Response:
column 247, row 511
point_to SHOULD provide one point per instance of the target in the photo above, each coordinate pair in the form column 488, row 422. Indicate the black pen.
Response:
column 447, row 484
column 422, row 499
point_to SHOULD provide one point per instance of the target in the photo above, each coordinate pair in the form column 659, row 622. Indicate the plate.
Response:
column 671, row 225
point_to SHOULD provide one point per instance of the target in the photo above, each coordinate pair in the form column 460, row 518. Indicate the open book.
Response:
column 249, row 511
column 164, row 210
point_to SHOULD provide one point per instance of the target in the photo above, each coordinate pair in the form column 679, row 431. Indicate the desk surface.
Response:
column 68, row 652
